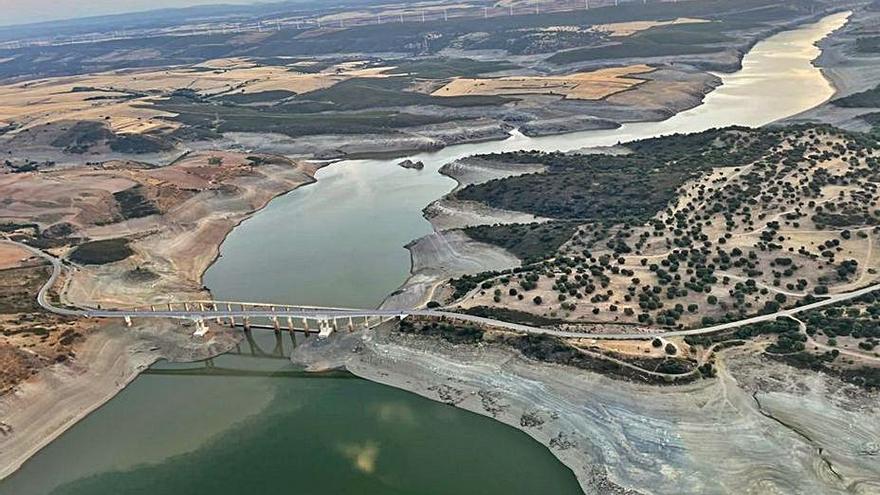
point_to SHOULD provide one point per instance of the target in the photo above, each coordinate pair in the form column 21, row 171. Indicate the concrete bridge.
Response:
column 325, row 320
column 278, row 317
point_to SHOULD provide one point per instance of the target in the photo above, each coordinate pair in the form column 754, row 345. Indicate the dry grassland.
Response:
column 591, row 85
column 623, row 29
column 11, row 256
column 812, row 254
column 117, row 97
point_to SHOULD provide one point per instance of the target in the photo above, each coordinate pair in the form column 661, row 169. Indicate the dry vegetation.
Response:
column 141, row 232
column 621, row 29
column 30, row 338
column 591, row 85
column 796, row 221
column 122, row 99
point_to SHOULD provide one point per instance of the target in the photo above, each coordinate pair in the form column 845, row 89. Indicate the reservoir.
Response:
column 248, row 422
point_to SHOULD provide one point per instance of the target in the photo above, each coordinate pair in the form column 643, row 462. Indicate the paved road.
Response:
column 42, row 299
column 312, row 312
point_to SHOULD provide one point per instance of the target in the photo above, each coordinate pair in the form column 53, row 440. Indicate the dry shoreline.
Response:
column 44, row 407
column 620, row 437
column 848, row 71
column 770, row 410
column 86, row 397
column 114, row 355
column 447, row 214
column 448, row 252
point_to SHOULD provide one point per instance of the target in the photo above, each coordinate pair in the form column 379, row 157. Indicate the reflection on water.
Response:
column 247, row 422
column 323, row 434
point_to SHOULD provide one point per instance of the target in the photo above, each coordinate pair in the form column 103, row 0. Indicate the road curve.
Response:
column 312, row 312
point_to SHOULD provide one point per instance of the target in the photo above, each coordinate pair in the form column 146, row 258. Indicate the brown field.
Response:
column 622, row 29
column 199, row 199
column 12, row 256
column 116, row 97
column 591, row 85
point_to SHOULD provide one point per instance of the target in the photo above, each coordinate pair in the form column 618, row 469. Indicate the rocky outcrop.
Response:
column 415, row 165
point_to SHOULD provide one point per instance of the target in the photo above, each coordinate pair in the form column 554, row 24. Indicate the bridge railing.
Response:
column 217, row 305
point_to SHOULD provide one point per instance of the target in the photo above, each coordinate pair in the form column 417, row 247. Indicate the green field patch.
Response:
column 366, row 93
column 259, row 97
column 670, row 40
column 211, row 118
column 615, row 189
column 526, row 241
column 133, row 204
column 101, row 252
column 444, row 67
column 866, row 99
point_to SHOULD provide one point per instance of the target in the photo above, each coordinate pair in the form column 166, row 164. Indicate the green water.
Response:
column 249, row 423
column 340, row 435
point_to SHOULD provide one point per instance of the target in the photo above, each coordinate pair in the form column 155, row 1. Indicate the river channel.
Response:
column 248, row 422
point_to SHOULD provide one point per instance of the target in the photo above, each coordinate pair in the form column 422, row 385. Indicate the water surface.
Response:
column 250, row 423
column 340, row 241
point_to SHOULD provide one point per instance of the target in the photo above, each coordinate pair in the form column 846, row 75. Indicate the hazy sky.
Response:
column 26, row 11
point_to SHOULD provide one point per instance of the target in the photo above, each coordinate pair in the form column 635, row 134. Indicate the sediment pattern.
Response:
column 758, row 428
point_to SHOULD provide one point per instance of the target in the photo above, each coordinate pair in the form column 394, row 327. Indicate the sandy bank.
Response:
column 44, row 407
column 176, row 247
column 439, row 256
column 391, row 145
column 619, row 437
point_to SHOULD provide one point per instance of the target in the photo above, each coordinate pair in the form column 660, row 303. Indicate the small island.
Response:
column 417, row 165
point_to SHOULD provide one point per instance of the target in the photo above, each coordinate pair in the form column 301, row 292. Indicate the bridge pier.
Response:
column 215, row 309
column 279, row 345
column 326, row 327
column 350, row 325
column 275, row 324
column 152, row 307
column 128, row 321
column 170, row 307
column 252, row 344
column 231, row 318
column 246, row 321
column 290, row 325
column 201, row 328
column 306, row 326
column 185, row 306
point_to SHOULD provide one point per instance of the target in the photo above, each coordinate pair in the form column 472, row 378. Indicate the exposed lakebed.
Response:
column 245, row 423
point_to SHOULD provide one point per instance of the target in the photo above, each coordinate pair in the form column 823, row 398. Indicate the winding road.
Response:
column 256, row 310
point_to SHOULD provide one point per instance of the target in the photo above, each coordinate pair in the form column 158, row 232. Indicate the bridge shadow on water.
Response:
column 249, row 358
